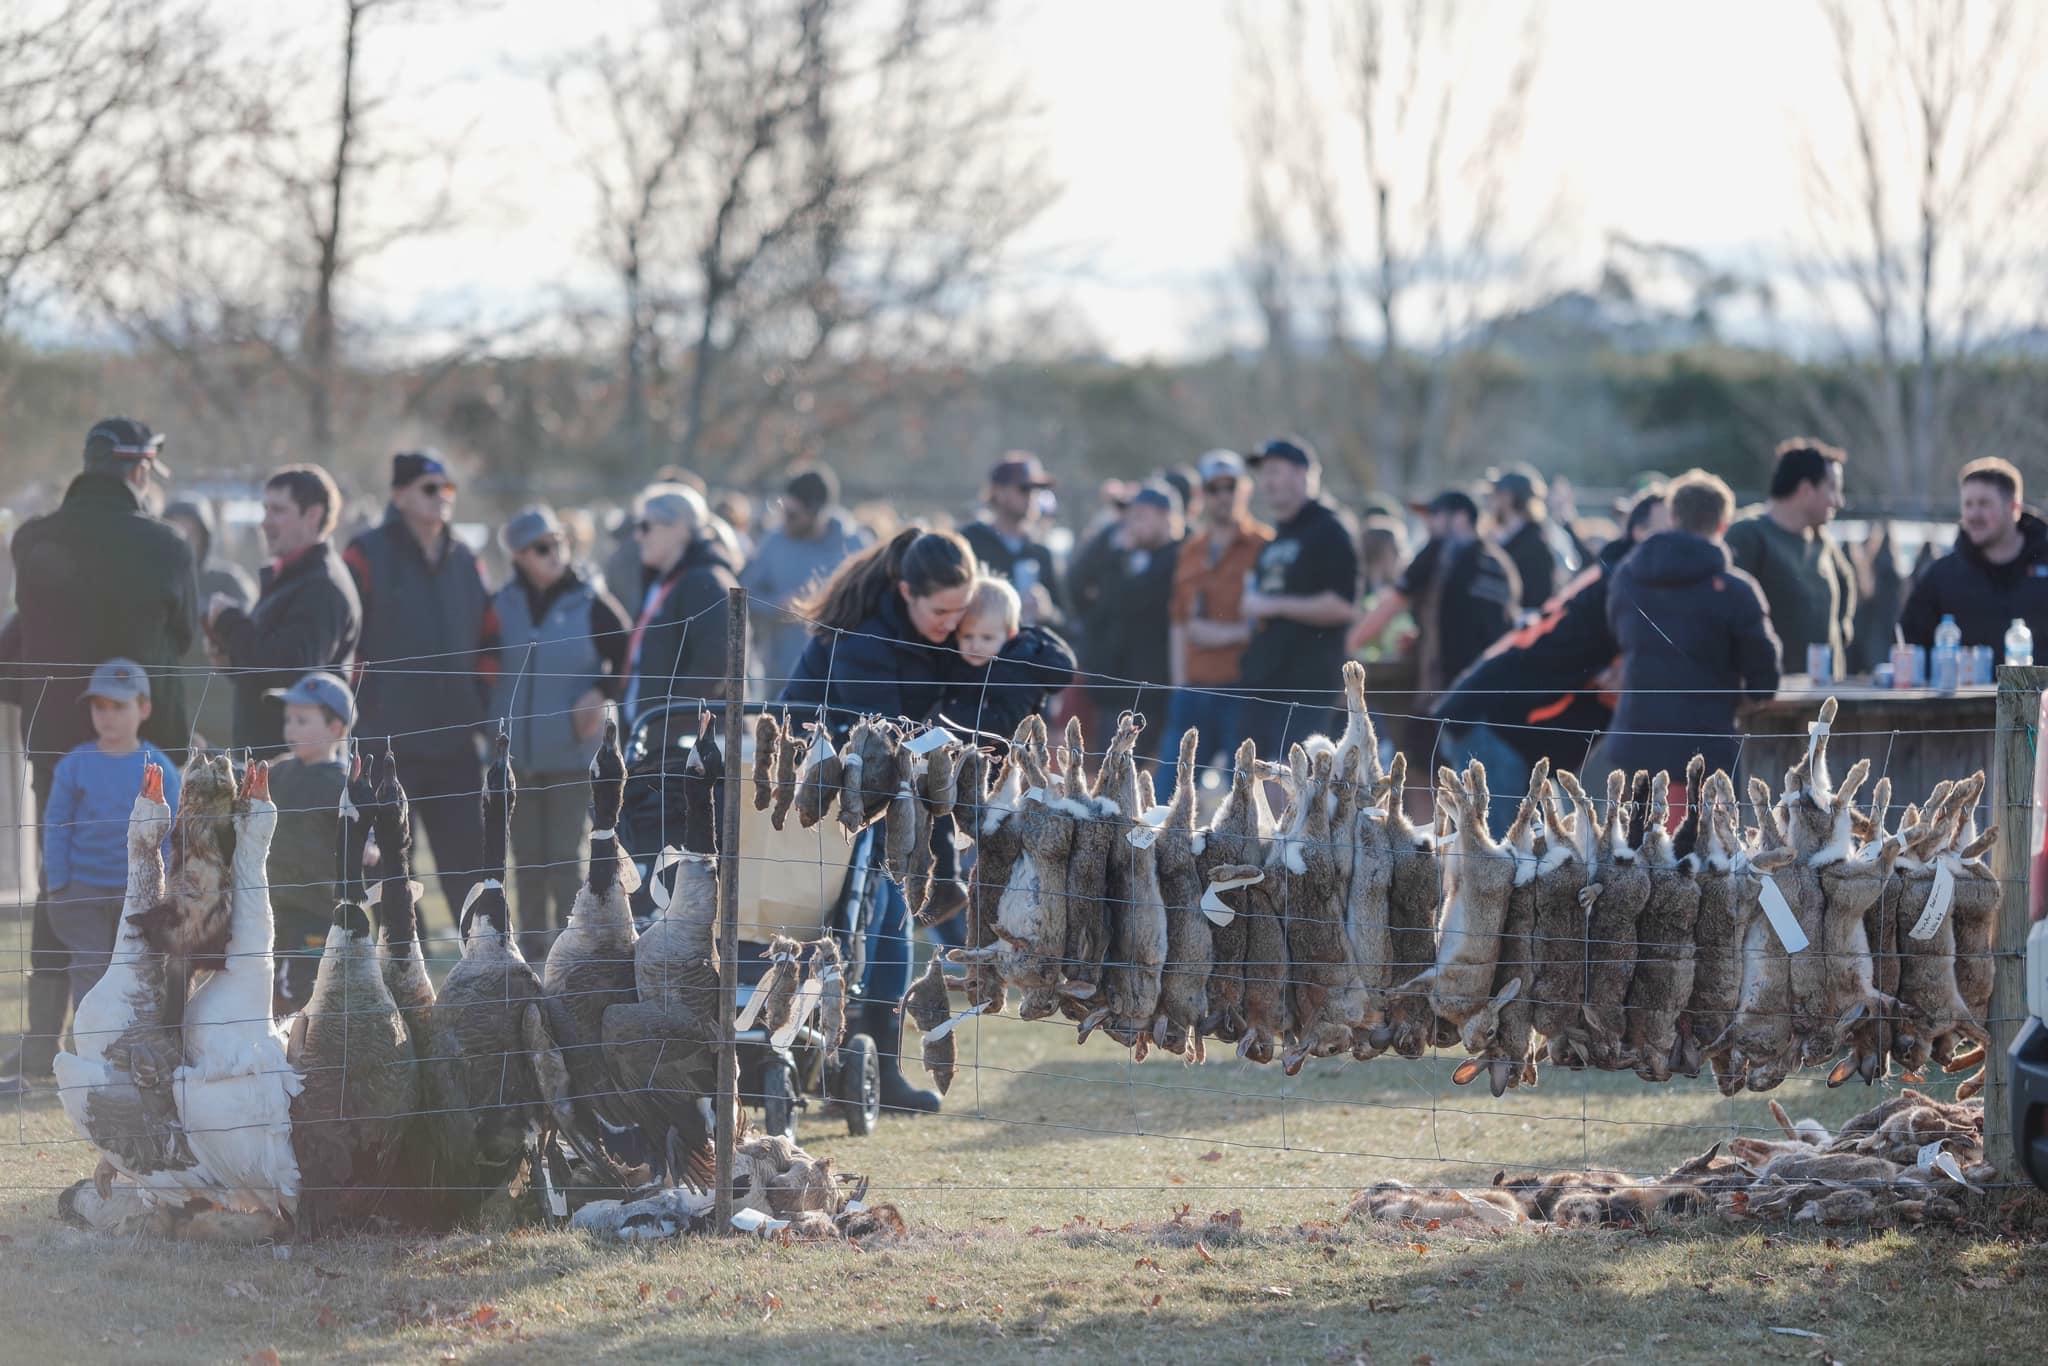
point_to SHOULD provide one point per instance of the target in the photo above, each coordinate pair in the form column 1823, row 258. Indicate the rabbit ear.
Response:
column 1844, row 797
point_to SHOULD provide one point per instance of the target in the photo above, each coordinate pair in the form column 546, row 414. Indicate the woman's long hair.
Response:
column 928, row 561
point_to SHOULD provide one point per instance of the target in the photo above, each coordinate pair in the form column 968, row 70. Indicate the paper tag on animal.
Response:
column 1928, row 1152
column 1141, row 836
column 807, row 997
column 1946, row 1164
column 927, row 742
column 821, row 749
column 1212, row 900
column 1784, row 924
column 1939, row 898
column 752, row 1010
column 558, row 1202
column 753, row 1221
column 945, row 1027
column 962, row 841
column 1035, row 794
column 1814, row 731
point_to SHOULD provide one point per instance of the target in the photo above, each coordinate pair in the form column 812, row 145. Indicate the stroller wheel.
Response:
column 778, row 1100
column 858, row 1087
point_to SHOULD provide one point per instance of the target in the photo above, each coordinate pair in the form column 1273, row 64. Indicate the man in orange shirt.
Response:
column 1209, row 631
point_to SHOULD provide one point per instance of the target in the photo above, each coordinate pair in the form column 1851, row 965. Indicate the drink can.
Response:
column 1820, row 663
column 1907, row 666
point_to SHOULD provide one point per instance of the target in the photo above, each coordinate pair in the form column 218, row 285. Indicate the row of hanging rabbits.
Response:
column 1339, row 926
column 386, row 1098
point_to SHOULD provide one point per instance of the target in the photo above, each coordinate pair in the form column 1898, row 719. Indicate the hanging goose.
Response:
column 235, row 1089
column 114, row 1080
column 399, row 957
column 487, row 1034
column 589, row 969
column 660, row 1048
column 351, row 1044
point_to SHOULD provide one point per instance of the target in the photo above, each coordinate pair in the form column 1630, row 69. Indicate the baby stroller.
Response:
column 794, row 882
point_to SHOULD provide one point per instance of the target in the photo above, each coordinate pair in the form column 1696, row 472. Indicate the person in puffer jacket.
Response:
column 1998, row 570
column 1695, row 640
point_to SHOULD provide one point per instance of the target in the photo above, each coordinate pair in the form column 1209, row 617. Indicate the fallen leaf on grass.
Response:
column 1432, row 1226
column 1515, row 1287
column 1202, row 1250
column 646, row 1292
column 1420, row 1249
column 483, row 1315
column 1144, row 1262
column 266, row 1357
column 325, row 1318
column 1155, row 1301
column 1210, row 1156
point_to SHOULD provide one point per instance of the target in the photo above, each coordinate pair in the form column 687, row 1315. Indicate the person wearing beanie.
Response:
column 814, row 538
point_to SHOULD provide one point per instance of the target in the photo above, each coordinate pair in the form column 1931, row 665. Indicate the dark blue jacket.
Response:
column 882, row 667
column 1695, row 641
column 1983, row 597
column 1033, row 666
column 1533, row 684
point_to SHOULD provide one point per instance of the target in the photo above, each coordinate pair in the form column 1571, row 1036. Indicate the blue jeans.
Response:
column 888, row 948
column 1210, row 711
column 1507, row 772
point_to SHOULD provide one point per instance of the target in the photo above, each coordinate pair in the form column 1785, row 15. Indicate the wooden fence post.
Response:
column 2012, row 805
column 729, row 899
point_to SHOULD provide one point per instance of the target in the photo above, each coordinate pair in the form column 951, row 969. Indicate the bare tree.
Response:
column 1924, row 218
column 279, row 183
column 792, row 194
column 80, row 85
column 1381, row 170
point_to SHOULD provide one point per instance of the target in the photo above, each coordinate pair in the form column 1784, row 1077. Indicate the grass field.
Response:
column 1058, row 1206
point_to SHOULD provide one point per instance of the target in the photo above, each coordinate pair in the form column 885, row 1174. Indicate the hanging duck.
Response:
column 487, row 1035
column 235, row 1089
column 660, row 1048
column 352, row 1046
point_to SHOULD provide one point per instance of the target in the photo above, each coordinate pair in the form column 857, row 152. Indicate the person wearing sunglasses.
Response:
column 563, row 649
column 677, row 648
column 98, row 578
column 429, row 653
column 1209, row 632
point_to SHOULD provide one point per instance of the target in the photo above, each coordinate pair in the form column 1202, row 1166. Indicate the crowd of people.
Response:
column 1223, row 597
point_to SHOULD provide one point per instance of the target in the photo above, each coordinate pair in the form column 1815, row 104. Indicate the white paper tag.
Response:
column 821, row 749
column 927, row 742
column 1035, row 794
column 1814, row 731
column 1939, row 898
column 1946, row 1164
column 1779, row 912
column 1928, row 1152
column 661, row 893
column 962, row 841
column 945, row 1027
column 1201, row 842
column 1156, row 816
column 753, row 1221
column 1141, row 836
column 755, row 1000
column 807, row 997
column 604, row 834
column 1212, row 901
column 558, row 1203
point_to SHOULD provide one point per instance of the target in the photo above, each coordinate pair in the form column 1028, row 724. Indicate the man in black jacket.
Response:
column 1463, row 590
column 307, row 618
column 427, row 659
column 1540, row 691
column 1695, row 640
column 96, row 579
column 677, row 649
column 1515, row 502
column 1998, row 570
column 1121, row 586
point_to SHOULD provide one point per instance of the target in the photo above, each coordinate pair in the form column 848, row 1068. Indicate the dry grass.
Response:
column 1043, row 1207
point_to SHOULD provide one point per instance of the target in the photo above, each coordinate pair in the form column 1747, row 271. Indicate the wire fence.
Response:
column 1385, row 1109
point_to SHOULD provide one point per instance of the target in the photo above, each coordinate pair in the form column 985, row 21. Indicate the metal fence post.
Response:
column 729, row 899
column 2012, row 805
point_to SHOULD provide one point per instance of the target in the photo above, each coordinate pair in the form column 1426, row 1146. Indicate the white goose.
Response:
column 118, row 1033
column 236, row 1087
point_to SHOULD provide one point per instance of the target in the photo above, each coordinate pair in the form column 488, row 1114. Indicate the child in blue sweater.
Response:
column 85, row 828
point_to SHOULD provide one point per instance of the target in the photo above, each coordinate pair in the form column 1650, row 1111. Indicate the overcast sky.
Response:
column 1663, row 121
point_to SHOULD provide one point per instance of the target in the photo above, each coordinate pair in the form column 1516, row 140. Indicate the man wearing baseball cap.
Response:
column 1462, row 590
column 1121, row 585
column 429, row 655
column 815, row 537
column 97, row 579
column 1303, row 592
column 1002, row 536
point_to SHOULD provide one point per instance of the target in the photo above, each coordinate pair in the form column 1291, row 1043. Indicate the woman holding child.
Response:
column 910, row 629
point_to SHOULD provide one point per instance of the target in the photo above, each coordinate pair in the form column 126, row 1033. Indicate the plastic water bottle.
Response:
column 2019, row 642
column 1946, row 666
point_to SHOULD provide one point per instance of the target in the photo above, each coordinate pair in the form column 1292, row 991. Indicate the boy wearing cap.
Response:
column 85, row 830
column 319, row 711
